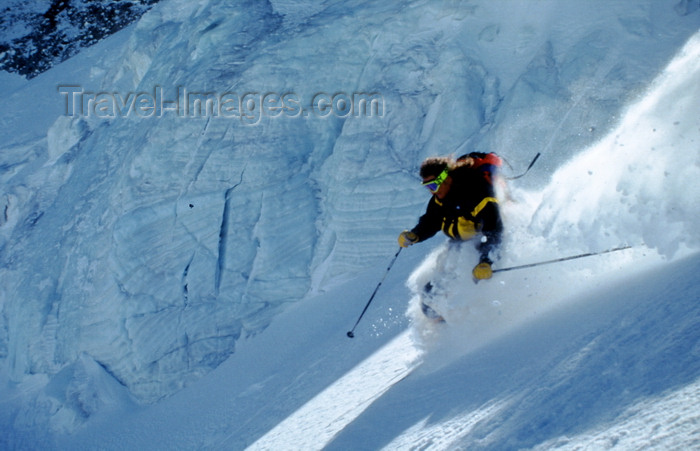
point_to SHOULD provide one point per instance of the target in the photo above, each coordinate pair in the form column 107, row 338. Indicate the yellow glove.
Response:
column 407, row 238
column 482, row 271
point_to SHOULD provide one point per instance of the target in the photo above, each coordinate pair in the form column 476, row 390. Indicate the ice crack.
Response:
column 185, row 289
column 223, row 234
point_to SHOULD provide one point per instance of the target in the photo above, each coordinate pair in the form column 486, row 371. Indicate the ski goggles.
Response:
column 434, row 184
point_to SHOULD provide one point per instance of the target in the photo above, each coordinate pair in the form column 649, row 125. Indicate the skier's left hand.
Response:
column 482, row 271
column 407, row 238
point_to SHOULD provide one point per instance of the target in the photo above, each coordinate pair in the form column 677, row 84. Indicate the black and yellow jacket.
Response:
column 469, row 208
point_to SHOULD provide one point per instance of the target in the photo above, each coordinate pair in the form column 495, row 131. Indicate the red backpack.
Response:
column 487, row 163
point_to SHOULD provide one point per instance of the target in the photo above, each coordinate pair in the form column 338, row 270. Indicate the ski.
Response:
column 427, row 310
column 430, row 313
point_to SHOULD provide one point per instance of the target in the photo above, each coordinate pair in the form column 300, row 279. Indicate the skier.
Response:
column 463, row 205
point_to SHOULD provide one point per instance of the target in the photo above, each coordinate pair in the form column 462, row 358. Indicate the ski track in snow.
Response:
column 321, row 418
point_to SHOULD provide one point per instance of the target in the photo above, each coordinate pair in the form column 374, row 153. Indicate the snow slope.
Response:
column 617, row 366
column 597, row 372
column 144, row 255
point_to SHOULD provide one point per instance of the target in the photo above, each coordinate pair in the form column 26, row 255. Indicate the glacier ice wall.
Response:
column 153, row 244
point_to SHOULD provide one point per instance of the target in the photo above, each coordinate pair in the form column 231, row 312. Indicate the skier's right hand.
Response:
column 482, row 271
column 407, row 238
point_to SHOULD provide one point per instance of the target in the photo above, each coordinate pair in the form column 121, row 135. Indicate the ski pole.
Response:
column 532, row 163
column 563, row 259
column 351, row 333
